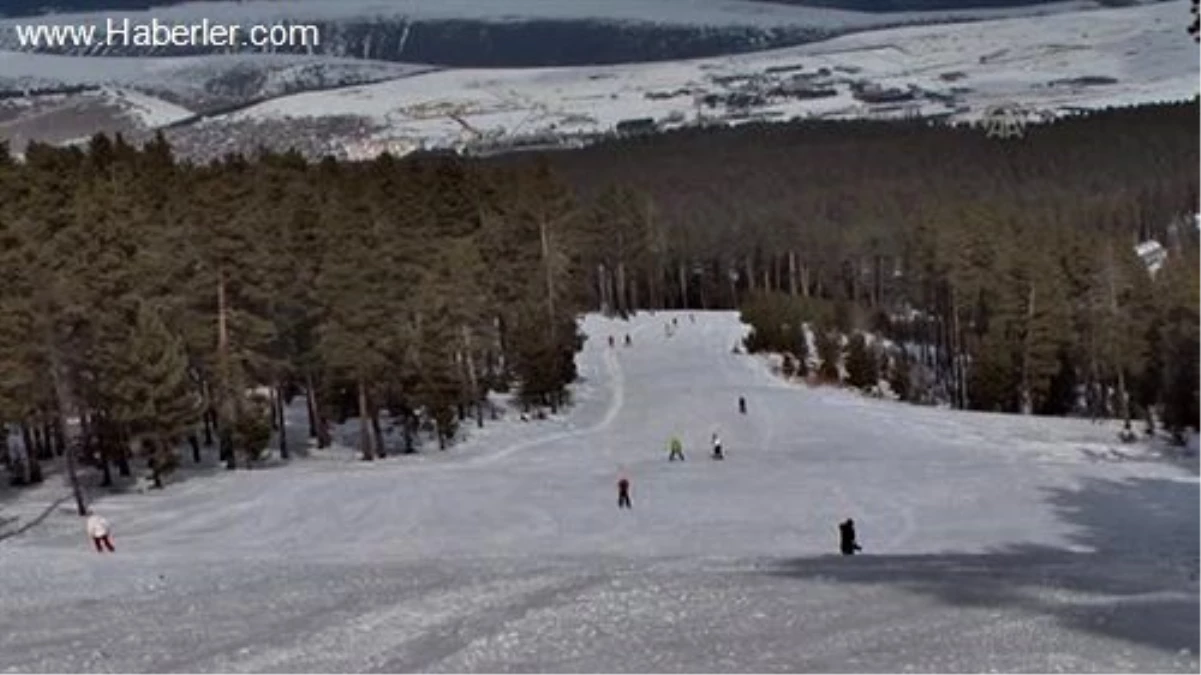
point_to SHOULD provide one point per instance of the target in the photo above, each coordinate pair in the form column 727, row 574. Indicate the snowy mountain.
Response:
column 991, row 542
column 1051, row 65
column 518, row 33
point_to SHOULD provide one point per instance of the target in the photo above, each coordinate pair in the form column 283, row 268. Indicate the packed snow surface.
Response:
column 992, row 542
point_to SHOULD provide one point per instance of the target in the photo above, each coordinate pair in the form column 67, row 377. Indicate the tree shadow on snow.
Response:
column 1137, row 582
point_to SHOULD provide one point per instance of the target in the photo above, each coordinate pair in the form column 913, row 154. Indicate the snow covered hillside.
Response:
column 1052, row 65
column 991, row 542
column 500, row 33
column 354, row 107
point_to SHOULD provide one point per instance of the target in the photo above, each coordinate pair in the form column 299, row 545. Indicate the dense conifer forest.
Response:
column 147, row 303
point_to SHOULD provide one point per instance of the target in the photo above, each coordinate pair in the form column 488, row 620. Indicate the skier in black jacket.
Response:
column 846, row 538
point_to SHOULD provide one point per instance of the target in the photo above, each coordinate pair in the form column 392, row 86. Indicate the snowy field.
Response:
column 1139, row 54
column 992, row 542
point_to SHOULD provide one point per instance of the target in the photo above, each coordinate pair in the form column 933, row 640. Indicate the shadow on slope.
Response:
column 1138, row 582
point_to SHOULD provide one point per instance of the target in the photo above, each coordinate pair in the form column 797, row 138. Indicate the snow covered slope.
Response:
column 1056, row 63
column 992, row 542
column 497, row 33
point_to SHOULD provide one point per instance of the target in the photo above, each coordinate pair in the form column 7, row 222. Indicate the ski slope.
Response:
column 991, row 542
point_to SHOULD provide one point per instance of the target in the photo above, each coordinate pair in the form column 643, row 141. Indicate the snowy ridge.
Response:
column 679, row 12
column 1140, row 55
column 997, row 529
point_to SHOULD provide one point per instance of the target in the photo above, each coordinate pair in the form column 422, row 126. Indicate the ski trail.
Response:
column 616, row 400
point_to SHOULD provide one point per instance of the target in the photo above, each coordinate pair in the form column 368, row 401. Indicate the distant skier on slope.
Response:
column 98, row 530
column 610, row 340
column 846, row 538
column 623, row 493
column 742, row 404
column 676, row 449
column 628, row 342
column 717, row 454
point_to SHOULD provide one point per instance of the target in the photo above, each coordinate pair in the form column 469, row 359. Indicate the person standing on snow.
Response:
column 676, row 449
column 623, row 493
column 742, row 404
column 717, row 447
column 846, row 538
column 98, row 530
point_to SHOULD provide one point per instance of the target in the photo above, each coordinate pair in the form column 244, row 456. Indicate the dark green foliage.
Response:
column 900, row 376
column 252, row 430
column 862, row 363
column 147, row 389
column 829, row 354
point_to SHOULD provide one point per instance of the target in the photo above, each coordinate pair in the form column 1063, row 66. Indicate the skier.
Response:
column 717, row 454
column 623, row 493
column 742, row 404
column 677, row 449
column 846, row 538
column 610, row 340
column 98, row 530
column 628, row 342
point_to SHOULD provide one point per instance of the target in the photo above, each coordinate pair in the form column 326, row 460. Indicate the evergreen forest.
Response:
column 149, row 305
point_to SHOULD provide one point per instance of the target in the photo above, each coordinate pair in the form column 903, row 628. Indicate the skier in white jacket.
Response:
column 98, row 530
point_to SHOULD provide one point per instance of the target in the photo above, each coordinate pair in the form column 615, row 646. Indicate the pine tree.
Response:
column 829, row 352
column 863, row 367
column 151, row 392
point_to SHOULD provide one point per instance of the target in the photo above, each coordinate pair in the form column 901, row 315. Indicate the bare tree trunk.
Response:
column 228, row 412
column 792, row 274
column 622, row 294
column 682, row 277
column 62, row 399
column 477, row 396
column 749, row 268
column 33, row 465
column 602, row 289
column 208, row 415
column 365, row 440
column 310, row 405
column 1025, row 396
column 381, row 448
column 805, row 281
column 283, row 424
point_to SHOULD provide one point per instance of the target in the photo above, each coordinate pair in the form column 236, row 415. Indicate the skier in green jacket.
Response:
column 677, row 449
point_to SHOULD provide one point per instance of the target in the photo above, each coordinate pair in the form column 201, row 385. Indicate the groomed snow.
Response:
column 1144, row 49
column 991, row 542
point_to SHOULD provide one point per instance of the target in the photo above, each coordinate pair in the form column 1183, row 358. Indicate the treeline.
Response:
column 1006, row 267
column 142, row 299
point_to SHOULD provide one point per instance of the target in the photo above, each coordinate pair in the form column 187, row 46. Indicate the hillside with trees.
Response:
column 148, row 303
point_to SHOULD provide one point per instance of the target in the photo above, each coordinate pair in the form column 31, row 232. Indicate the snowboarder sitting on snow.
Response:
column 98, row 530
column 846, row 538
column 742, row 404
column 623, row 493
column 717, row 447
column 677, row 449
